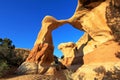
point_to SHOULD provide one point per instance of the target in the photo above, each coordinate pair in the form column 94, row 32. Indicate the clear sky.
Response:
column 20, row 20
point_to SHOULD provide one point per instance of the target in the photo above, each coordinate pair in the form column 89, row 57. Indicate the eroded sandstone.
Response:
column 90, row 17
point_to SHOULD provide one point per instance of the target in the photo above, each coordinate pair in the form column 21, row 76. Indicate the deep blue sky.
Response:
column 20, row 20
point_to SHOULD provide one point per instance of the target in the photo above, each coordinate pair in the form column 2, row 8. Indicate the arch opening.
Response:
column 63, row 34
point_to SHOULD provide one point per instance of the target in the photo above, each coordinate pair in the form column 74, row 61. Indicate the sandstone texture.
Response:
column 107, row 52
column 94, row 23
column 70, row 53
column 102, row 60
column 99, row 71
column 96, row 48
column 72, row 59
column 42, row 52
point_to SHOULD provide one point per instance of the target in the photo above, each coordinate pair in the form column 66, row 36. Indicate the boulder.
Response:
column 27, row 68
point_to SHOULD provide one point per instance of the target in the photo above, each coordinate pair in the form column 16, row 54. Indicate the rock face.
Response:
column 104, row 53
column 94, row 23
column 101, row 62
column 91, row 17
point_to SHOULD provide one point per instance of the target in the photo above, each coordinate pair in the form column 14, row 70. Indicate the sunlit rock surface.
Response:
column 95, row 48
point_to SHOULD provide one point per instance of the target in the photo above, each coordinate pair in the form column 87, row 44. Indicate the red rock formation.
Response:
column 90, row 17
column 42, row 51
column 83, row 19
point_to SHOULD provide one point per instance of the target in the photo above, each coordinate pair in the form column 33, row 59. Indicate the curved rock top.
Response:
column 64, row 45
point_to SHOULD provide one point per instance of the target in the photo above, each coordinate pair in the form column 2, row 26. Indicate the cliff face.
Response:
column 97, row 19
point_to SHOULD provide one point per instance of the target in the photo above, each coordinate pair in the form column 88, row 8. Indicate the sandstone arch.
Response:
column 96, row 33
